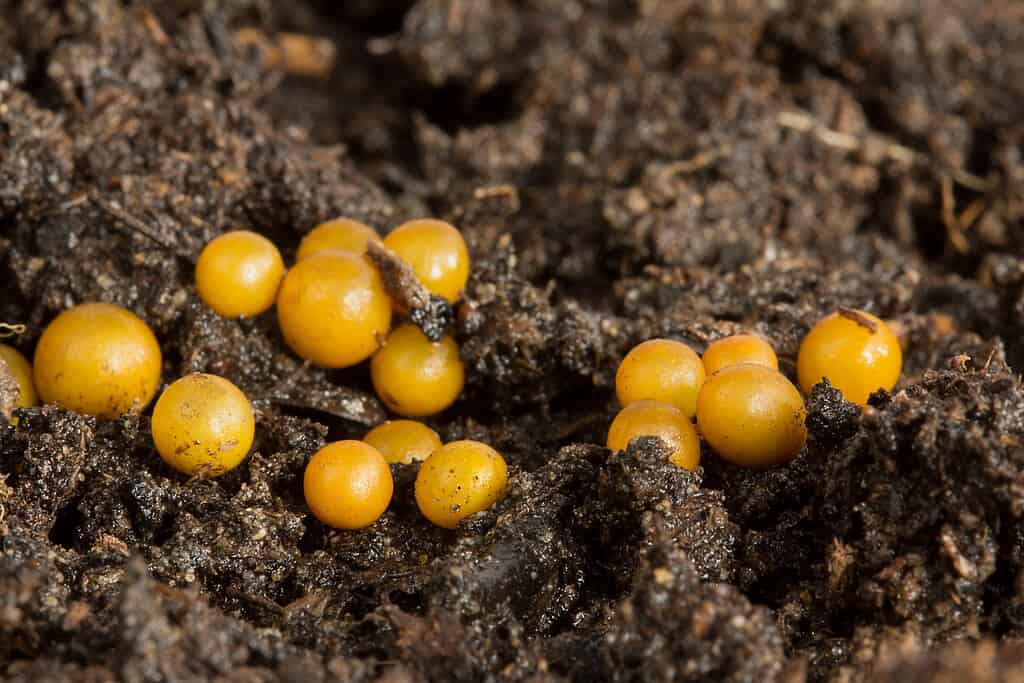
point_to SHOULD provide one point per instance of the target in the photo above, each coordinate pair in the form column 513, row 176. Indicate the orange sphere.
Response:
column 203, row 424
column 739, row 348
column 856, row 351
column 414, row 376
column 660, row 370
column 98, row 359
column 752, row 415
column 654, row 418
column 340, row 234
column 22, row 371
column 333, row 309
column 458, row 480
column 436, row 252
column 348, row 485
column 403, row 441
column 238, row 273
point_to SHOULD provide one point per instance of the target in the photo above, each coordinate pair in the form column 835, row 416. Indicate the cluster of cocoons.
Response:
column 103, row 360
column 348, row 484
column 745, row 409
column 333, row 308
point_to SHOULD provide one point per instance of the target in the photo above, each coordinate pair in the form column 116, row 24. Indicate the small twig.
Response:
column 133, row 223
column 695, row 163
column 73, row 202
column 972, row 213
column 153, row 27
column 988, row 361
column 506, row 191
column 399, row 278
column 971, row 181
column 431, row 313
column 859, row 318
column 258, row 601
column 953, row 229
column 174, row 593
column 805, row 123
column 369, row 418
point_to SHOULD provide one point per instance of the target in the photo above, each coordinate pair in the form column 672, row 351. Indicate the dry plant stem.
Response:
column 805, row 123
column 399, row 278
column 432, row 314
column 135, row 225
column 859, row 318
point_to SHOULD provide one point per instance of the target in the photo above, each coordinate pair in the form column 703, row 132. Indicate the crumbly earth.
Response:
column 621, row 170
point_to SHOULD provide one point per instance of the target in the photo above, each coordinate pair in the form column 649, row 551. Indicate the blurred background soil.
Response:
column 622, row 169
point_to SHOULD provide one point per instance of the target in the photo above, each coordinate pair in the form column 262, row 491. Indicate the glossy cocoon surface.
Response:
column 22, row 371
column 238, row 273
column 663, row 420
column 98, row 359
column 203, row 425
column 752, row 415
column 403, row 441
column 414, row 376
column 341, row 234
column 660, row 370
column 459, row 479
column 855, row 350
column 436, row 252
column 348, row 485
column 736, row 349
column 333, row 310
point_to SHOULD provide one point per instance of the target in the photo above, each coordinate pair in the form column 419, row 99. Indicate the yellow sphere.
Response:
column 403, row 441
column 22, row 372
column 660, row 370
column 752, row 415
column 348, row 485
column 739, row 348
column 460, row 479
column 340, row 234
column 856, row 351
column 654, row 418
column 238, row 273
column 333, row 309
column 203, row 424
column 98, row 359
column 436, row 252
column 414, row 376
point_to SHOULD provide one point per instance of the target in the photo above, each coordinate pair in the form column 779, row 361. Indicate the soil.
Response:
column 621, row 170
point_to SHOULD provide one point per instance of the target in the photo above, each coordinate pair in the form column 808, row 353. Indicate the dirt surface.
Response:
column 622, row 170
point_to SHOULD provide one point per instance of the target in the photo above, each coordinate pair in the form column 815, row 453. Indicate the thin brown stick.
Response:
column 805, row 123
column 859, row 318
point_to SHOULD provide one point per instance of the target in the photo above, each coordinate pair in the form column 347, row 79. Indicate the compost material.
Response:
column 621, row 171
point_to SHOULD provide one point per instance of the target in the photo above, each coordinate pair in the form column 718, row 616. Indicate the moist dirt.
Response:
column 621, row 170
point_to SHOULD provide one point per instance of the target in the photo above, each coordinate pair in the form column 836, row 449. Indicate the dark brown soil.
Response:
column 622, row 170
